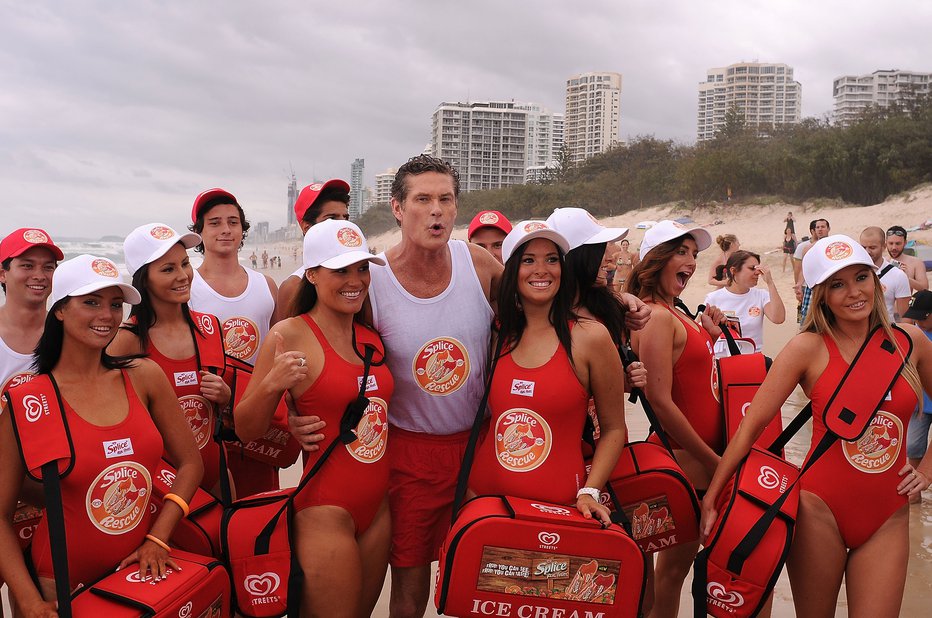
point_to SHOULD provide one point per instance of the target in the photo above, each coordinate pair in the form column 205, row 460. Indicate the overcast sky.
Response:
column 114, row 114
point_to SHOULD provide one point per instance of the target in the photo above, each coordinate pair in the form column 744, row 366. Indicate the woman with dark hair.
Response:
column 162, row 327
column 742, row 298
column 557, row 361
column 341, row 522
column 677, row 352
column 728, row 243
column 123, row 403
column 789, row 246
column 853, row 518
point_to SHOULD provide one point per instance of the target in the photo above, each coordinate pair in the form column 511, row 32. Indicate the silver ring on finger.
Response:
column 301, row 362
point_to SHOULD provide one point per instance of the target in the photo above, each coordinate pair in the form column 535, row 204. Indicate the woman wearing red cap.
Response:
column 122, row 404
column 677, row 352
column 342, row 528
column 853, row 519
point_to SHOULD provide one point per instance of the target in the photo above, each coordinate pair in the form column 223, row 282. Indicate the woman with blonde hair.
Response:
column 853, row 521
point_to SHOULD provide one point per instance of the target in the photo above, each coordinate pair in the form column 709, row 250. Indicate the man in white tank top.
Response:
column 243, row 300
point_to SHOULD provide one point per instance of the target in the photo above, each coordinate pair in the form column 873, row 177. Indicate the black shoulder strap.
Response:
column 884, row 271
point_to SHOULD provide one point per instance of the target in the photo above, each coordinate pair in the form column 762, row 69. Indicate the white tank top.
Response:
column 245, row 318
column 436, row 347
column 14, row 367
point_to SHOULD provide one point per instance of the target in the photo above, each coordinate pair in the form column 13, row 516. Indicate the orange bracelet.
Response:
column 159, row 542
column 180, row 502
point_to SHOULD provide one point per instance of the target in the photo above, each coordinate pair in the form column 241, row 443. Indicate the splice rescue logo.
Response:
column 838, row 250
column 118, row 498
column 441, row 366
column 105, row 268
column 877, row 450
column 36, row 237
column 488, row 218
column 348, row 237
column 200, row 416
column 371, row 433
column 160, row 232
column 241, row 337
column 17, row 379
column 522, row 440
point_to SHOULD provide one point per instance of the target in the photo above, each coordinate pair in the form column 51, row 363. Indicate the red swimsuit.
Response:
column 532, row 449
column 695, row 385
column 106, row 495
column 857, row 480
column 355, row 476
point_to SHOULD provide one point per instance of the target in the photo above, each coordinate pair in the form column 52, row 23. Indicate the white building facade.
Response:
column 593, row 114
column 765, row 94
column 383, row 187
column 855, row 93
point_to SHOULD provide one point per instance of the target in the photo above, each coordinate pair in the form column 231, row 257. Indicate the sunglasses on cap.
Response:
column 899, row 233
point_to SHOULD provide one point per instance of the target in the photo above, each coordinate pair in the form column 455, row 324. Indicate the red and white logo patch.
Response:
column 118, row 499
column 525, row 388
column 105, row 268
column 441, row 366
column 241, row 337
column 878, row 449
column 16, row 379
column 838, row 250
column 522, row 440
column 205, row 324
column 754, row 311
column 533, row 226
column 348, row 237
column 200, row 415
column 160, row 232
column 36, row 237
column 371, row 433
column 488, row 218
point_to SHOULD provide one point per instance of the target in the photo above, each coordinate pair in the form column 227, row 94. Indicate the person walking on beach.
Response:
column 625, row 261
column 244, row 301
column 853, row 518
column 488, row 229
column 790, row 222
column 913, row 267
column 893, row 281
column 819, row 229
column 788, row 247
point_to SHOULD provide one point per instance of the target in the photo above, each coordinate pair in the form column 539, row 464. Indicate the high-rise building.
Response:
column 383, row 187
column 765, row 94
column 292, row 198
column 855, row 93
column 357, row 189
column 593, row 113
column 491, row 143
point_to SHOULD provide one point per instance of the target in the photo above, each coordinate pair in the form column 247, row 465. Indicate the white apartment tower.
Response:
column 855, row 93
column 491, row 143
column 764, row 94
column 383, row 187
column 593, row 112
column 357, row 207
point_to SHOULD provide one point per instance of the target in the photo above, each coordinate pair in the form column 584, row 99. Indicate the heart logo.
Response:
column 768, row 479
column 262, row 585
column 207, row 326
column 33, row 407
column 718, row 592
column 185, row 610
column 548, row 538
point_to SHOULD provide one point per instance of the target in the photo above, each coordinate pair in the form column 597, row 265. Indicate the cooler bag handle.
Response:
column 729, row 337
column 627, row 357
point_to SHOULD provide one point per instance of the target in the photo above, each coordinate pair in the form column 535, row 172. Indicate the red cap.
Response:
column 24, row 239
column 206, row 197
column 489, row 218
column 310, row 193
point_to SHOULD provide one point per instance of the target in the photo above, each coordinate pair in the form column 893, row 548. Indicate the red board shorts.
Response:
column 421, row 483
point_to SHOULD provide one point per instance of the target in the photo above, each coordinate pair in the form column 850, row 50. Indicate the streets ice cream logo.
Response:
column 548, row 540
column 160, row 232
column 262, row 587
column 522, row 440
column 105, row 268
column 551, row 509
column 838, row 250
column 349, row 237
column 770, row 479
column 441, row 366
column 371, row 433
column 17, row 379
column 488, row 218
column 118, row 498
column 719, row 597
column 36, row 237
column 713, row 382
column 877, row 450
column 199, row 414
column 205, row 324
column 35, row 406
column 241, row 337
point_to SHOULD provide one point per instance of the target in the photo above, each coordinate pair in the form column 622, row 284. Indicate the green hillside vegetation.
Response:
column 889, row 150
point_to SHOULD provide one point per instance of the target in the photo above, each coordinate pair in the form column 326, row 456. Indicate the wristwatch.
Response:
column 592, row 492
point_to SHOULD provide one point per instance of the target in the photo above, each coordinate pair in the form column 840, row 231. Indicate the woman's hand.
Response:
column 214, row 389
column 913, row 483
column 635, row 376
column 153, row 560
column 711, row 318
column 637, row 312
column 40, row 609
column 305, row 429
column 765, row 274
column 591, row 509
column 288, row 367
column 708, row 518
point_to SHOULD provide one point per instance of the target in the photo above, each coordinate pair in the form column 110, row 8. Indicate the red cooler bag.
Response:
column 199, row 532
column 739, row 379
column 201, row 589
column 656, row 497
column 509, row 556
column 25, row 520
column 736, row 586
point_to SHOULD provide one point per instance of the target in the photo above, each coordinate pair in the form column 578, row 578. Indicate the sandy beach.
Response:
column 759, row 229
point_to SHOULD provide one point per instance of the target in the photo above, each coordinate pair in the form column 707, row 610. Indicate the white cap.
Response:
column 89, row 273
column 525, row 231
column 149, row 242
column 581, row 228
column 666, row 230
column 336, row 244
column 829, row 255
